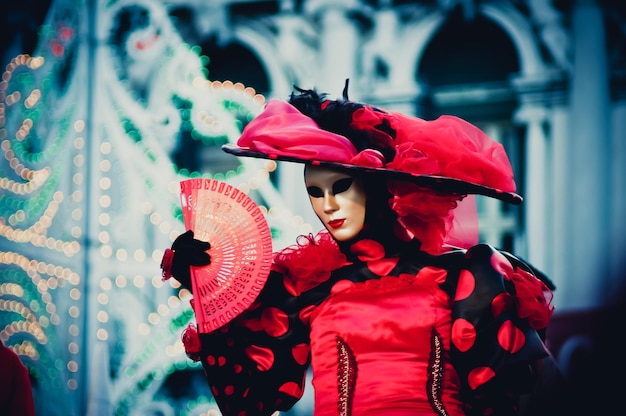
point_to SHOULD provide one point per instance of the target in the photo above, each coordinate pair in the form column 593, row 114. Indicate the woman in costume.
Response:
column 397, row 310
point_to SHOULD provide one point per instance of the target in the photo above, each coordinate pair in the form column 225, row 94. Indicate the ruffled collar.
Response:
column 309, row 262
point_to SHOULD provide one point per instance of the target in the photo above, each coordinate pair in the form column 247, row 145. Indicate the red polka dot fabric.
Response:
column 257, row 363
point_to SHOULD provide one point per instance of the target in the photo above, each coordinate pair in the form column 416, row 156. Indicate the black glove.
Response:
column 186, row 251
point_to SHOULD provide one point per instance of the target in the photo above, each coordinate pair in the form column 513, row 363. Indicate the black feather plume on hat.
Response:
column 336, row 116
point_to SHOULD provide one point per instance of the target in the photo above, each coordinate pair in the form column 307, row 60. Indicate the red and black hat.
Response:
column 448, row 155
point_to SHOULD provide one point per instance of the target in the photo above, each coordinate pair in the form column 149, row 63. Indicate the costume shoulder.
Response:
column 309, row 262
column 498, row 310
column 520, row 262
column 490, row 275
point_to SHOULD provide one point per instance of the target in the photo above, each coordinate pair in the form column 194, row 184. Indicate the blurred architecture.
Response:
column 105, row 105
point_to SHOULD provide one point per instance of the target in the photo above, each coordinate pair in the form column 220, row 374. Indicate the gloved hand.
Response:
column 186, row 251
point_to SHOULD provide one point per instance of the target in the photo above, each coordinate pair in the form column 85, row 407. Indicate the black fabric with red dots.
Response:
column 257, row 363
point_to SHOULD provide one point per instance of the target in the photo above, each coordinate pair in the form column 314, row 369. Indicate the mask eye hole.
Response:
column 314, row 192
column 342, row 185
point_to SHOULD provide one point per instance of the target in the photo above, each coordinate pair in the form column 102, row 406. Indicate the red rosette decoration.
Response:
column 428, row 216
column 166, row 264
column 533, row 298
column 191, row 341
column 375, row 123
column 309, row 262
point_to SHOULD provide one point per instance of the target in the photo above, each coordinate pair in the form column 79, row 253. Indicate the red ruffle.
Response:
column 371, row 121
column 166, row 264
column 424, row 213
column 450, row 146
column 309, row 262
column 533, row 299
column 192, row 343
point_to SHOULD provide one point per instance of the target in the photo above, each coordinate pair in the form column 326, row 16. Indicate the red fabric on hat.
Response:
column 450, row 146
column 283, row 130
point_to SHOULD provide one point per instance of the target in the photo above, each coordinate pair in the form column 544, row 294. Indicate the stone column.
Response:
column 538, row 188
column 588, row 164
column 338, row 45
column 618, row 192
column 559, row 204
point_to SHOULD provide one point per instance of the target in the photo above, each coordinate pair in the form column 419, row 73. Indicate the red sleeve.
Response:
column 257, row 363
column 499, row 312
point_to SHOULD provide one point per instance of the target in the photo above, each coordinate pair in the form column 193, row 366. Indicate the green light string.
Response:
column 33, row 205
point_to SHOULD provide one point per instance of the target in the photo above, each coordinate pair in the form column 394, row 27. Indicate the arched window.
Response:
column 466, row 71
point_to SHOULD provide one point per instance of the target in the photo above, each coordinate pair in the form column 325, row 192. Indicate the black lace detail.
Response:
column 346, row 377
column 435, row 375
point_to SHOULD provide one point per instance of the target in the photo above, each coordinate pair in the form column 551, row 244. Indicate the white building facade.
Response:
column 123, row 99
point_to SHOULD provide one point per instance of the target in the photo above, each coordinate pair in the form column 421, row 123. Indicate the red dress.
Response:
column 390, row 332
column 395, row 334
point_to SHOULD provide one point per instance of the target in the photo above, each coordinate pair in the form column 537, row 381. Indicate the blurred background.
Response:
column 106, row 105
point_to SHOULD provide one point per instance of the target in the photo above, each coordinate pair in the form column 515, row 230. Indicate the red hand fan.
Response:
column 241, row 250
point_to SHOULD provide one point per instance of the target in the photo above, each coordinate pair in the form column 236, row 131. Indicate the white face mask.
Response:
column 338, row 200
